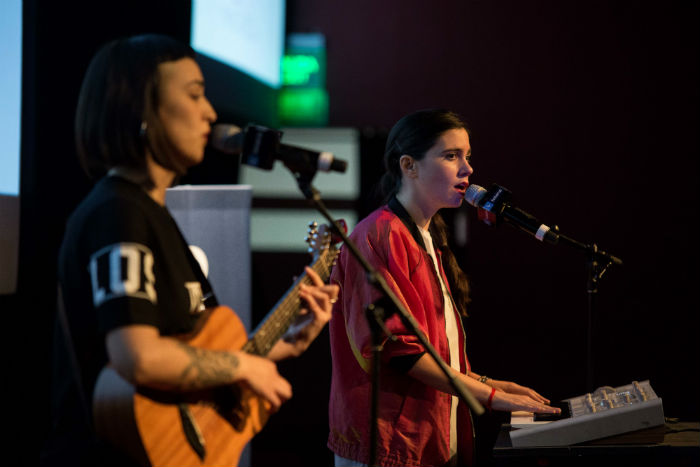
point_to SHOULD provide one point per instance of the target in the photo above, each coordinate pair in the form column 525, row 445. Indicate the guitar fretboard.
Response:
column 287, row 308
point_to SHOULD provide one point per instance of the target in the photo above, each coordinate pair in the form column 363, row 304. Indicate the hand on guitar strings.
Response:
column 319, row 299
column 262, row 378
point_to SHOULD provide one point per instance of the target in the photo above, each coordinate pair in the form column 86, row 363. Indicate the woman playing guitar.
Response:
column 129, row 282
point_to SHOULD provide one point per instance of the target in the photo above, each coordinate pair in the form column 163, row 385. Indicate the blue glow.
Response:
column 245, row 34
column 10, row 94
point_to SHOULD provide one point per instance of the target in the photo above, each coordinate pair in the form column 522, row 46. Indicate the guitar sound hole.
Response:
column 231, row 406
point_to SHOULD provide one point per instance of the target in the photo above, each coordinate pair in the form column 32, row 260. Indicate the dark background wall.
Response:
column 587, row 111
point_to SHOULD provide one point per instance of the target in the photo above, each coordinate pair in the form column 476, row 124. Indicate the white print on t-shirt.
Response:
column 122, row 270
column 194, row 290
column 201, row 258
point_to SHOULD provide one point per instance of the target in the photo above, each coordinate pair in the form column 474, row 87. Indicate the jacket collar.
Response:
column 397, row 208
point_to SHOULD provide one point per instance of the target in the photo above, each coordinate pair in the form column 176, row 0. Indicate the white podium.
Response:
column 216, row 218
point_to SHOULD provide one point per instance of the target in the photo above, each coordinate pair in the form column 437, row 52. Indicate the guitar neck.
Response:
column 287, row 308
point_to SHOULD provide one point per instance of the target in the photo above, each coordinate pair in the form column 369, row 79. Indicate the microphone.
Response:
column 493, row 206
column 226, row 138
column 260, row 146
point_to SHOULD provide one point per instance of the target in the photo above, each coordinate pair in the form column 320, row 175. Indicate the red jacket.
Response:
column 414, row 419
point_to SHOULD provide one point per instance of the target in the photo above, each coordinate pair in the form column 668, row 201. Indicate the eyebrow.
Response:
column 456, row 150
column 198, row 82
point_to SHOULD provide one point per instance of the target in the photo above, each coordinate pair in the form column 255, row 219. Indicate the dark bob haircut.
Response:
column 116, row 118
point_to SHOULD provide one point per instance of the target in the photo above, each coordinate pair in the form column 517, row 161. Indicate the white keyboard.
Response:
column 606, row 412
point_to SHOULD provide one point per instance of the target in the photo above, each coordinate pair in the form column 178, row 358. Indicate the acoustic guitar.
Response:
column 207, row 427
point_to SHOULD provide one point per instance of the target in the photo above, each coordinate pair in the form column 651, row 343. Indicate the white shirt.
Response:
column 452, row 332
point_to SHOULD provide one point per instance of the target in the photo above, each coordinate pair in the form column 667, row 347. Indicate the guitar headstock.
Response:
column 321, row 238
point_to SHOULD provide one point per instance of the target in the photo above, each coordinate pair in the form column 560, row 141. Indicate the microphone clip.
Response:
column 491, row 207
column 260, row 145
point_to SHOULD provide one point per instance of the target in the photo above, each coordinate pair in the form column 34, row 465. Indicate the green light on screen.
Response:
column 303, row 107
column 297, row 69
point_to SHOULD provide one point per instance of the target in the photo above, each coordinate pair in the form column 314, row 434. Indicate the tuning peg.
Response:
column 313, row 225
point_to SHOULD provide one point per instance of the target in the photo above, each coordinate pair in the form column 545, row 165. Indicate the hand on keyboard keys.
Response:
column 550, row 417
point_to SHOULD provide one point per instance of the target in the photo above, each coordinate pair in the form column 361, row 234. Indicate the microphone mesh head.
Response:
column 474, row 194
column 226, row 138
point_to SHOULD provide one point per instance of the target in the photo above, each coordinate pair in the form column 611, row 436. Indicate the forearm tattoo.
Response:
column 207, row 368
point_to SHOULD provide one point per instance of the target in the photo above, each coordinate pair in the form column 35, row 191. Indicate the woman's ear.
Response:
column 408, row 165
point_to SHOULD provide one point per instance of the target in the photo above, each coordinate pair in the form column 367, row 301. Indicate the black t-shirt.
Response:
column 123, row 261
column 127, row 250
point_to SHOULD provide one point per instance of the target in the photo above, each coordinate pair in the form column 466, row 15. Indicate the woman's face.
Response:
column 442, row 175
column 184, row 111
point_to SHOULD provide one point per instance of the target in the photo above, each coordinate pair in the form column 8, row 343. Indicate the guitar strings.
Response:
column 271, row 330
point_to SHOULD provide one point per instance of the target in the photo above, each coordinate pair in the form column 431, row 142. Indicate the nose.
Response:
column 209, row 112
column 466, row 169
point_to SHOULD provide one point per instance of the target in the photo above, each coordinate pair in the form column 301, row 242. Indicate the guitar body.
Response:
column 207, row 427
column 166, row 429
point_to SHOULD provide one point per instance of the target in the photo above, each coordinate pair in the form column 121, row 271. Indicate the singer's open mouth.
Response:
column 462, row 187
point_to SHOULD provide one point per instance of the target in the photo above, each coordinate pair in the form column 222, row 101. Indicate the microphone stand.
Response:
column 377, row 314
column 598, row 261
column 597, row 264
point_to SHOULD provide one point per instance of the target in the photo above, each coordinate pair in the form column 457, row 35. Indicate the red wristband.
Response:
column 488, row 402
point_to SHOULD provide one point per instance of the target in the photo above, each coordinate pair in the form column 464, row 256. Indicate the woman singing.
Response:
column 129, row 280
column 420, row 421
